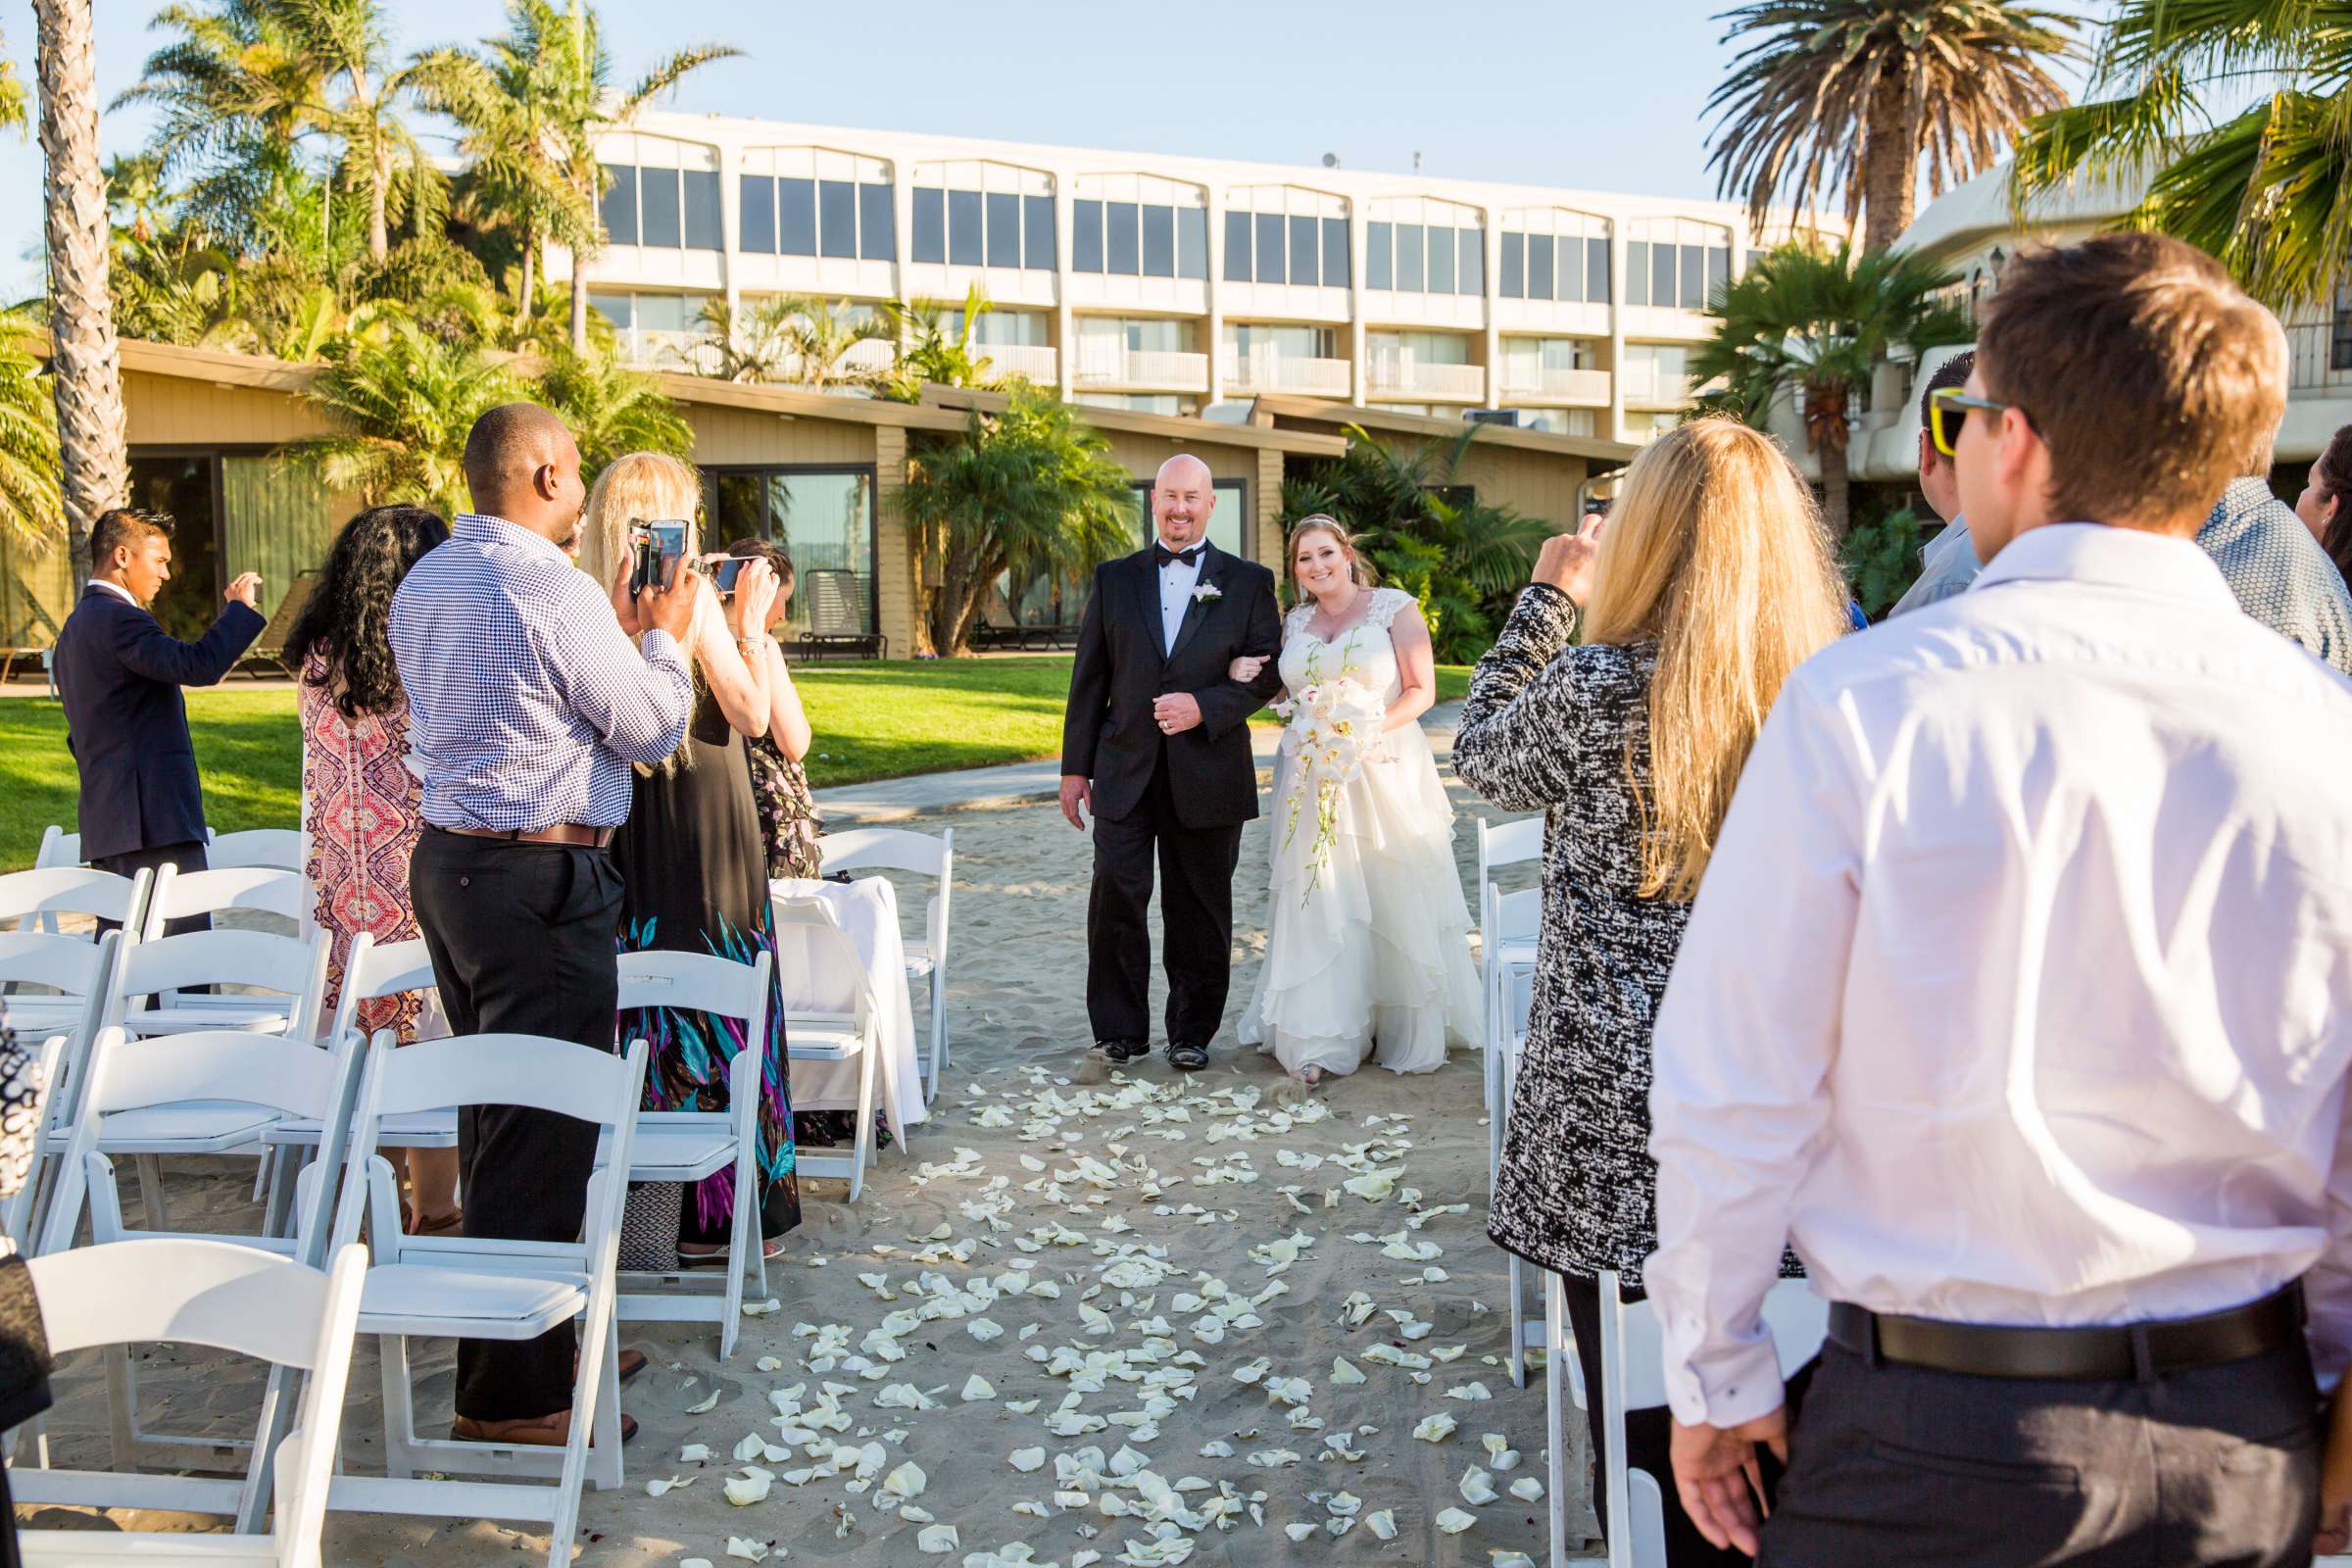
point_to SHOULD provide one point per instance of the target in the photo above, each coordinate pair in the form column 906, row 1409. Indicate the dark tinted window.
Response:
column 615, row 306
column 1085, row 236
column 1470, row 261
column 836, row 218
column 1572, row 268
column 795, row 216
column 1662, row 275
column 1597, row 270
column 1539, row 266
column 1036, row 233
column 1409, row 239
column 1237, row 247
column 964, row 228
column 877, row 225
column 1379, row 251
column 1303, row 233
column 1191, row 242
column 930, row 224
column 1693, row 296
column 757, row 219
column 1271, row 266
column 1441, row 261
column 658, row 206
column 1637, row 271
column 1335, row 253
column 1159, row 241
column 705, row 230
column 620, row 203
column 1515, row 265
column 1119, row 227
column 1003, row 229
column 1719, row 273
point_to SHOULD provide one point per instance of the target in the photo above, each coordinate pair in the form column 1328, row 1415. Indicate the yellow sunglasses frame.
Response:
column 1953, row 403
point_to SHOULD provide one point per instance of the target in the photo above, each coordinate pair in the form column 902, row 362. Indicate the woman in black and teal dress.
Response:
column 692, row 859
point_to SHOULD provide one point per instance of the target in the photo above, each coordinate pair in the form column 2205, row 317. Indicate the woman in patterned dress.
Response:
column 788, row 821
column 694, row 868
column 1712, row 580
column 361, row 804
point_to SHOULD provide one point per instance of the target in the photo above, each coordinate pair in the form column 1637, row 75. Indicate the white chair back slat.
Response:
column 277, row 849
column 222, row 1296
column 73, row 890
column 292, row 967
column 884, row 849
column 695, row 982
column 58, row 848
column 501, row 1071
column 1519, row 917
column 181, row 895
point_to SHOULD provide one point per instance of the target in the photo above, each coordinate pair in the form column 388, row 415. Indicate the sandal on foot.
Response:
column 541, row 1431
column 1188, row 1056
column 452, row 1223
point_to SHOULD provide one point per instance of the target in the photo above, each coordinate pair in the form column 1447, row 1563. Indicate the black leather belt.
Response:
column 2135, row 1351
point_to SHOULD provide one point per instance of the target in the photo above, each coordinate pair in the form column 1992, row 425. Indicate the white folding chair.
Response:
column 1633, row 1375
column 277, row 849
column 224, row 1297
column 687, row 1145
column 1509, row 1047
column 37, row 899
column 829, row 1015
column 192, row 1093
column 371, row 973
column 179, row 895
column 887, row 849
column 282, row 981
column 61, row 847
column 1506, row 843
column 78, row 981
column 487, row 1289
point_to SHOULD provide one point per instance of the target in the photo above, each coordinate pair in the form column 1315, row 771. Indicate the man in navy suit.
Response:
column 120, row 673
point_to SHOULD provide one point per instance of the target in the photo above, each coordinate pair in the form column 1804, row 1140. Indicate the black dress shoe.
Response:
column 1189, row 1055
column 1118, row 1051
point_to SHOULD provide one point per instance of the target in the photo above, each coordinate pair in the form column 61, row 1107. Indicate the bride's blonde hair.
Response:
column 644, row 486
column 1715, row 551
column 1359, row 571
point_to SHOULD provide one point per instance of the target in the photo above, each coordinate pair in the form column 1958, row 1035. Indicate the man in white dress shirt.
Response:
column 2019, row 998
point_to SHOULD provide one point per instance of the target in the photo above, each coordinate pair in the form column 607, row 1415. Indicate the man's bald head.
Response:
column 521, row 465
column 1182, row 495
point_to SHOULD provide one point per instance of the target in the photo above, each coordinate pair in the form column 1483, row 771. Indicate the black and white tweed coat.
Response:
column 1554, row 729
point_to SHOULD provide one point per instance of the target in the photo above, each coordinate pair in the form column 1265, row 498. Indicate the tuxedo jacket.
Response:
column 120, row 674
column 1108, row 732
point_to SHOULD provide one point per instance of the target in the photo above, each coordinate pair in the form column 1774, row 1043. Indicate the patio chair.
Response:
column 370, row 974
column 438, row 1287
column 79, row 978
column 837, row 616
column 687, row 1145
column 279, row 848
column 884, row 849
column 269, row 648
column 261, row 889
column 224, row 1297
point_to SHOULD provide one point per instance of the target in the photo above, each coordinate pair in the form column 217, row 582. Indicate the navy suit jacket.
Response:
column 120, row 673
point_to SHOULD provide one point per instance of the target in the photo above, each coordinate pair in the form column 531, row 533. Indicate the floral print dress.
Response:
column 788, row 821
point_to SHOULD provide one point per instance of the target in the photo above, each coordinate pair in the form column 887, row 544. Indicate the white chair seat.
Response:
column 418, row 1129
column 260, row 1016
column 421, row 1299
column 39, row 1017
column 820, row 1042
column 72, row 1549
column 680, row 1154
column 192, row 1127
column 919, row 963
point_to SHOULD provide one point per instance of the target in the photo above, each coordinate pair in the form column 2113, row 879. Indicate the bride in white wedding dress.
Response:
column 1368, row 948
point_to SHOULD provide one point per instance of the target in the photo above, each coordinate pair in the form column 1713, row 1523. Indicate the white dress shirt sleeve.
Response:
column 1744, row 1040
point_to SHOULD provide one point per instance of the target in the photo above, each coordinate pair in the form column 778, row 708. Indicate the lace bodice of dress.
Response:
column 1363, row 651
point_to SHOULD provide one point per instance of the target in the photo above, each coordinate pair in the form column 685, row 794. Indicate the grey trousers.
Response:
column 1896, row 1466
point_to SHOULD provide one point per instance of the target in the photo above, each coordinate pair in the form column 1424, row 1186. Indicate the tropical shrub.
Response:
column 1880, row 557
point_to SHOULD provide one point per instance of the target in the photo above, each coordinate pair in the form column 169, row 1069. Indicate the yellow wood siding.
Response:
column 167, row 411
column 894, row 545
column 743, row 436
column 36, row 593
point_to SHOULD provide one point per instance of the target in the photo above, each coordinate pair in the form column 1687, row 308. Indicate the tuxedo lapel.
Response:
column 1212, row 572
column 1144, row 587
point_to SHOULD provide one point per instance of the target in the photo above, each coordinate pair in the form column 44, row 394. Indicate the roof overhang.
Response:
column 1271, row 409
column 1179, row 429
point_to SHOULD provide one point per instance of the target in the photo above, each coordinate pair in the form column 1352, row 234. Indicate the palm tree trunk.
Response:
column 579, row 303
column 530, row 277
column 379, row 184
column 1835, row 502
column 85, row 364
column 1891, row 165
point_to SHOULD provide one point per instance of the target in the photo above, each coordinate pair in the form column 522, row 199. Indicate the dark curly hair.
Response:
column 348, row 617
column 2335, row 479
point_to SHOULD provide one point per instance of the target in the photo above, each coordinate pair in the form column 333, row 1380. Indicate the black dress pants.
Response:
column 1648, row 1436
column 1196, row 907
column 1894, row 1464
column 521, row 938
column 131, row 862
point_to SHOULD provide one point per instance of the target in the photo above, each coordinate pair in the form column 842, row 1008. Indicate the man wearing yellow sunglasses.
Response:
column 1948, row 562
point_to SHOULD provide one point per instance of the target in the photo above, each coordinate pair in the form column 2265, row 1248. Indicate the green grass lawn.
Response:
column 872, row 720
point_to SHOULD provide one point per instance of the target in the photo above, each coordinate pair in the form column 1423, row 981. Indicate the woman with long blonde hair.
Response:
column 1367, row 939
column 692, row 859
column 1621, row 700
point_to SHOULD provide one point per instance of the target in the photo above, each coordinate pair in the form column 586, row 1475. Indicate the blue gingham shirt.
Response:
column 526, row 704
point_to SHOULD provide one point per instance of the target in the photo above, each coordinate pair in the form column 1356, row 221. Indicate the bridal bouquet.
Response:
column 1335, row 729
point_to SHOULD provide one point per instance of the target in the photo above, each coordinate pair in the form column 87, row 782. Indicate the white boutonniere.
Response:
column 1209, row 592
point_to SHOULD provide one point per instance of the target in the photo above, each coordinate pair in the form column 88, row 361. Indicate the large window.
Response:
column 1676, row 263
column 661, row 194
column 1228, row 525
column 1551, row 254
column 1139, row 225
column 1282, row 234
column 983, row 214
column 823, row 517
column 1414, row 245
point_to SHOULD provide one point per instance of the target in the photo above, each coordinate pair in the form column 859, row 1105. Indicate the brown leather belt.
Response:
column 2138, row 1352
column 593, row 838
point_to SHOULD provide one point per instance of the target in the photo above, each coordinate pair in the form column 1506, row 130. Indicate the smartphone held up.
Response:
column 655, row 551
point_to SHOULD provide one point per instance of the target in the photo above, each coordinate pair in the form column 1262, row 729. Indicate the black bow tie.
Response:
column 1163, row 556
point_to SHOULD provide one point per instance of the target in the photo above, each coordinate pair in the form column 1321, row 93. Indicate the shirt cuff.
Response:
column 660, row 645
column 1743, row 1382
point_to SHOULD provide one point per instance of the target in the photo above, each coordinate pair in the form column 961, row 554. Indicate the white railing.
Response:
column 655, row 349
column 1036, row 362
column 1646, row 386
column 868, row 354
column 1158, row 369
column 1589, row 388
column 1279, row 372
column 1394, row 372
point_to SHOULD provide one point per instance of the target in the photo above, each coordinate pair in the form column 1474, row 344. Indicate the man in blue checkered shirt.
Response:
column 531, row 691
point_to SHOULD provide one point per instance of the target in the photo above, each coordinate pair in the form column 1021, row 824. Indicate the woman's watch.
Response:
column 748, row 645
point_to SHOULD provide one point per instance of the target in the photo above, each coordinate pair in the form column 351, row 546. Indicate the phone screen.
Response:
column 669, row 543
column 724, row 571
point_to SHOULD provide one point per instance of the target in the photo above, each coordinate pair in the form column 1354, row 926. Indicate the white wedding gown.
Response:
column 1370, row 951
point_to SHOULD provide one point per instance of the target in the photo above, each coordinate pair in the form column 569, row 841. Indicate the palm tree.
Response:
column 533, row 104
column 1850, row 95
column 611, row 411
column 85, row 367
column 1031, row 491
column 1816, row 324
column 13, row 115
column 2267, row 187
column 401, row 405
column 348, row 41
column 29, row 500
column 938, row 346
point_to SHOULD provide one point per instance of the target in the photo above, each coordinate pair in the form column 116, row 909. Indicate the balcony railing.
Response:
column 1278, row 372
column 655, row 349
column 1395, row 374
column 1544, row 383
column 1033, row 361
column 1648, row 387
column 1146, row 369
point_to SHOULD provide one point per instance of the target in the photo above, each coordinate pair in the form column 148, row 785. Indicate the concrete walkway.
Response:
column 1020, row 783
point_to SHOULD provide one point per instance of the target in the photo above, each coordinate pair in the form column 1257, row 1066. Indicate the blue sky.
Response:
column 1598, row 94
